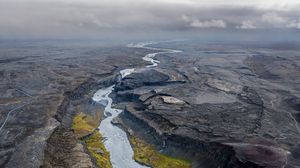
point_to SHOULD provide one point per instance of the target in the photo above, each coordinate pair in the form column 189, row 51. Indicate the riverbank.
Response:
column 61, row 91
column 116, row 140
column 214, row 104
column 217, row 107
column 85, row 128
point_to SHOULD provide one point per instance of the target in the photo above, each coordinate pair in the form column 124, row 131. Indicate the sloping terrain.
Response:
column 42, row 87
column 217, row 105
column 223, row 106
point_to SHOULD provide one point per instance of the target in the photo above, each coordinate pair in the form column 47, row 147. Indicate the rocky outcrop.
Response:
column 215, row 133
column 136, row 80
column 63, row 150
column 217, row 107
column 33, row 148
column 40, row 82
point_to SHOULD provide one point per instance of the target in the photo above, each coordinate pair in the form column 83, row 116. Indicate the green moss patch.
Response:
column 97, row 149
column 86, row 125
column 146, row 154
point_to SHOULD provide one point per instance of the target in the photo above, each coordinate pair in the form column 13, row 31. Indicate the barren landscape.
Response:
column 211, row 105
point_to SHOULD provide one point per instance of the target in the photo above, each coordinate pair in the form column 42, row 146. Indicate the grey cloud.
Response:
column 294, row 24
column 213, row 23
column 274, row 18
column 246, row 25
column 96, row 18
column 209, row 24
column 278, row 21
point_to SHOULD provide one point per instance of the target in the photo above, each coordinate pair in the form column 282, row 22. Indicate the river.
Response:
column 116, row 140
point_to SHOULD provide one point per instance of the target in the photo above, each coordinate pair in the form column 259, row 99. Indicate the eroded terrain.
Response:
column 217, row 105
column 226, row 106
column 42, row 87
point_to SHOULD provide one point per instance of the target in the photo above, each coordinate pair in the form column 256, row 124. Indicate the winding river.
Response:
column 116, row 141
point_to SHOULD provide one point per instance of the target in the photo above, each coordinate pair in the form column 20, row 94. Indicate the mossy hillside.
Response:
column 83, row 125
column 97, row 149
column 146, row 154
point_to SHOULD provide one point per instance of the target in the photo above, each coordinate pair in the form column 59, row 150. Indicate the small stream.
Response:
column 116, row 141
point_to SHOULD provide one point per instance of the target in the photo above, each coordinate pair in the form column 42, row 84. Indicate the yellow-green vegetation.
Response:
column 146, row 154
column 83, row 125
column 97, row 149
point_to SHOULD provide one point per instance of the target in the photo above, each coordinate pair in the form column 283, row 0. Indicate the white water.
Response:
column 117, row 143
column 150, row 57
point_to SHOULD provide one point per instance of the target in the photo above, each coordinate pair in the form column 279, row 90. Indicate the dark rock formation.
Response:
column 42, row 87
column 148, row 78
column 222, row 115
column 219, row 105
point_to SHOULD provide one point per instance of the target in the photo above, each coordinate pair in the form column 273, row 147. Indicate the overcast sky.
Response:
column 71, row 18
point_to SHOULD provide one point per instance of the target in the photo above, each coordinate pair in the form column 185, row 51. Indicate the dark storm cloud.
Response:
column 89, row 18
